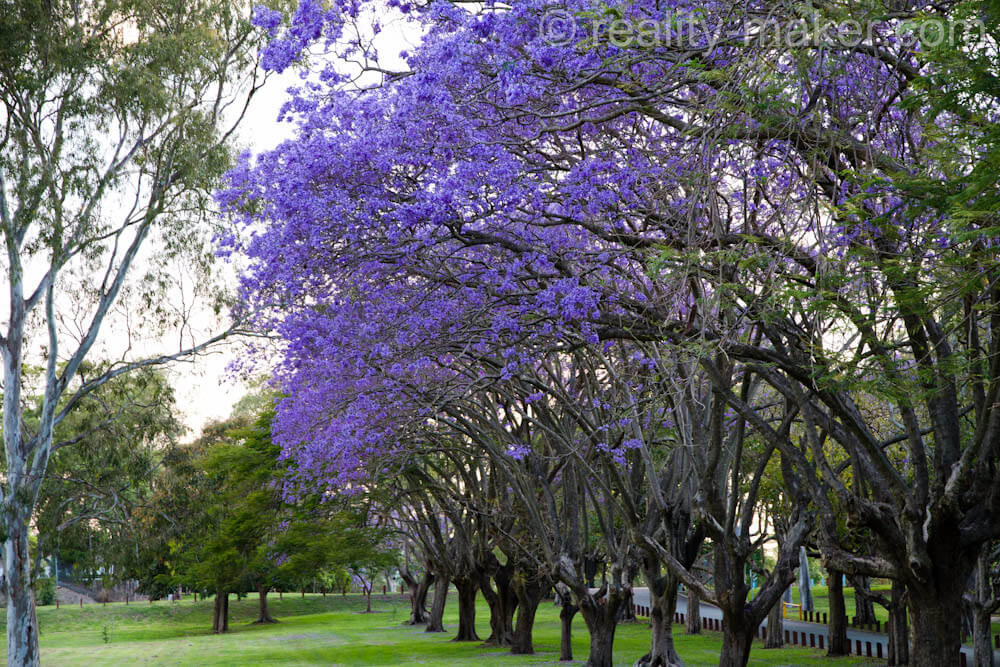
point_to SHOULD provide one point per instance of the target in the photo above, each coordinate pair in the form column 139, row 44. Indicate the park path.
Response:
column 801, row 633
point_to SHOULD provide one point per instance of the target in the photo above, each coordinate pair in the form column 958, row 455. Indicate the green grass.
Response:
column 821, row 600
column 821, row 603
column 318, row 630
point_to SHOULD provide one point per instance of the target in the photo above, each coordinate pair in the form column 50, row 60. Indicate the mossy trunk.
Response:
column 662, row 607
column 864, row 607
column 935, row 624
column 736, row 641
column 982, row 640
column 418, row 599
column 601, row 617
column 899, row 646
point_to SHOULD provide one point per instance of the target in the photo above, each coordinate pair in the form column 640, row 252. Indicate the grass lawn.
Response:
column 318, row 630
column 821, row 600
column 821, row 603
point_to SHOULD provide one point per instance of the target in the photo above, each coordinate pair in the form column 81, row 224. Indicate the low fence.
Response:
column 859, row 647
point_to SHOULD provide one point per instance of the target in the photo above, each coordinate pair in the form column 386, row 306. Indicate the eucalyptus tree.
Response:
column 105, row 457
column 116, row 118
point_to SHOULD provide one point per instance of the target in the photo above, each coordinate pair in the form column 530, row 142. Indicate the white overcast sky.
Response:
column 204, row 390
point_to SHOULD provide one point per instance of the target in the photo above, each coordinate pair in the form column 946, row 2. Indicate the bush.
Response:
column 45, row 591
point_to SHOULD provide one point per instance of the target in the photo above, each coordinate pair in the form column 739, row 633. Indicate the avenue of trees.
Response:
column 563, row 300
column 713, row 285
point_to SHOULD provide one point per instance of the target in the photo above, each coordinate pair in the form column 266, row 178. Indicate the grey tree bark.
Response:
column 837, row 621
column 435, row 621
column 984, row 603
column 692, row 616
column 467, row 588
column 899, row 647
column 775, row 627
column 805, row 582
column 502, row 603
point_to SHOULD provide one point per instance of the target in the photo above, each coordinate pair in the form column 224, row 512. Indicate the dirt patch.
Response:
column 66, row 596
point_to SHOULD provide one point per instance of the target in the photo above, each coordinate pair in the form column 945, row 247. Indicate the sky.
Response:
column 205, row 390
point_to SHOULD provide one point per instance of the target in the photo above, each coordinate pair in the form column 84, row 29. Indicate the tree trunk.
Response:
column 220, row 619
column 435, row 622
column 493, row 602
column 864, row 607
column 529, row 595
column 740, row 618
column 602, row 642
column 692, row 620
column 981, row 638
column 264, row 615
column 837, row 622
column 805, row 581
column 775, row 626
column 662, row 606
column 601, row 617
column 522, row 643
column 589, row 569
column 935, row 624
column 467, row 588
column 566, row 615
column 899, row 647
column 626, row 612
column 216, row 612
column 502, row 603
column 736, row 643
column 418, row 599
column 968, row 619
column 22, row 626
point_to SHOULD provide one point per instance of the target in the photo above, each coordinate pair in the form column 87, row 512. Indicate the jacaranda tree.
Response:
column 769, row 205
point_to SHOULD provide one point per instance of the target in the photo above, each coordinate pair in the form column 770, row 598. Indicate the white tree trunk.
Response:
column 22, row 625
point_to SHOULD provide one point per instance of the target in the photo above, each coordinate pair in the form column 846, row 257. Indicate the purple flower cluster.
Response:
column 505, row 200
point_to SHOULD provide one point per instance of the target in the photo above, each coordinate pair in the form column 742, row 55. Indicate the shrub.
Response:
column 45, row 591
